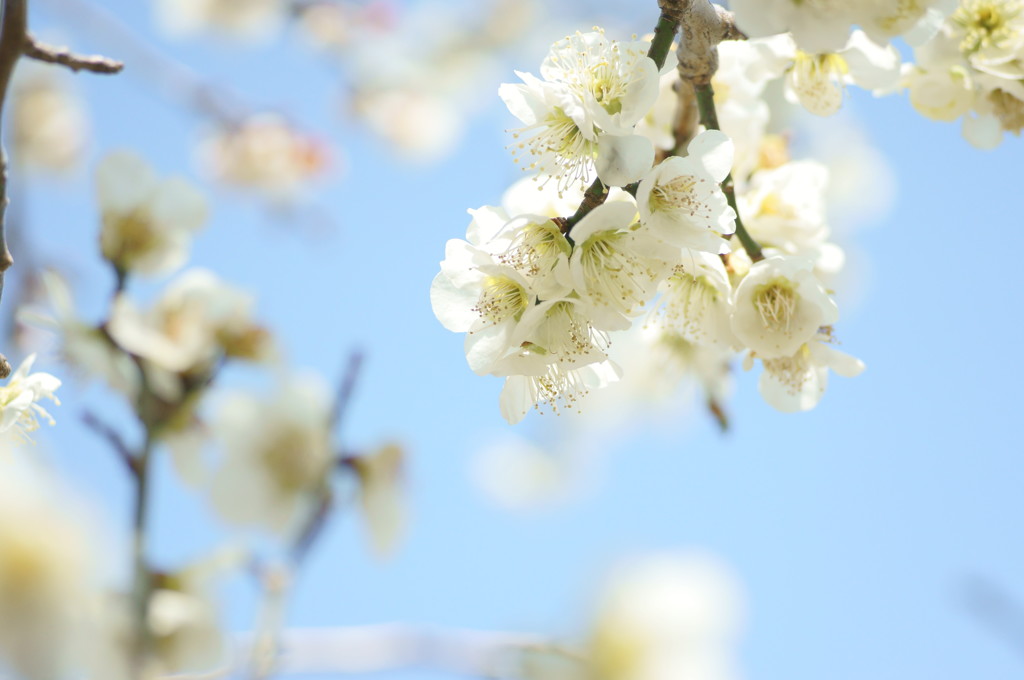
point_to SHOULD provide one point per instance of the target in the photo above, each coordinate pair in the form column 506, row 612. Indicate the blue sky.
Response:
column 856, row 529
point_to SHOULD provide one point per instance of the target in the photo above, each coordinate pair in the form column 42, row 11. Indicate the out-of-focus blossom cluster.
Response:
column 261, row 462
column 264, row 153
column 413, row 73
column 823, row 26
column 659, row 617
column 240, row 19
column 974, row 69
column 541, row 293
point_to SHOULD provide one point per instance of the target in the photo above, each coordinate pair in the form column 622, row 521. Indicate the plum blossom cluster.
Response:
column 973, row 69
column 541, row 287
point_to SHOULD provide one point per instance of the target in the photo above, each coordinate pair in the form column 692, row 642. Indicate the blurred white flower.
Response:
column 797, row 382
column 49, row 127
column 277, row 455
column 667, row 617
column 147, row 223
column 264, row 153
column 520, row 475
column 245, row 19
column 422, row 126
column 197, row 320
column 48, row 584
column 19, row 401
column 85, row 347
column 381, row 495
column 818, row 81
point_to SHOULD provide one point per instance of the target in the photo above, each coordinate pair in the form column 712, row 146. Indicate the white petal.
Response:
column 179, row 205
column 622, row 160
column 124, row 181
column 983, row 132
column 715, row 151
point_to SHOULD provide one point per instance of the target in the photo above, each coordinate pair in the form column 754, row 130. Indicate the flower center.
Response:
column 614, row 275
column 558, row 147
column 567, row 335
column 986, row 23
column 292, row 456
column 501, row 299
column 676, row 195
column 791, row 371
column 558, row 388
column 535, row 249
column 687, row 299
column 775, row 302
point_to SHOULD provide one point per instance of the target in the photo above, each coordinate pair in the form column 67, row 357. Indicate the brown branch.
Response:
column 703, row 26
column 12, row 39
column 62, row 56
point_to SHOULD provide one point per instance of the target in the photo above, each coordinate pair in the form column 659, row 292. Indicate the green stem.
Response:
column 709, row 116
column 664, row 34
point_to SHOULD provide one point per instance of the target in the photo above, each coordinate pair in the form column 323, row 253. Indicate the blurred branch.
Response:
column 64, row 57
column 168, row 75
column 396, row 646
column 993, row 606
column 345, row 389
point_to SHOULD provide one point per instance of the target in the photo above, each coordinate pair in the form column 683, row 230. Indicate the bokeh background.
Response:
column 874, row 537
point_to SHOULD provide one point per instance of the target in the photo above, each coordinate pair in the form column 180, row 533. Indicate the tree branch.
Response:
column 33, row 49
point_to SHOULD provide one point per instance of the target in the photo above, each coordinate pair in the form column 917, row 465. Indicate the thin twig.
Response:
column 709, row 117
column 142, row 586
column 93, row 422
column 62, row 56
column 345, row 389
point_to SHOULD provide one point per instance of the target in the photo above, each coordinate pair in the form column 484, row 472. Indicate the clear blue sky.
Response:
column 856, row 528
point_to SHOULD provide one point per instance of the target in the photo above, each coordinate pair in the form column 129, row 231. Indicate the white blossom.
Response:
column 147, row 223
column 696, row 301
column 265, row 153
column 784, row 208
column 557, row 388
column 84, row 346
column 681, row 201
column 48, row 582
column 476, row 295
column 581, row 117
column 613, row 264
column 20, row 410
column 667, row 617
column 797, row 382
column 780, row 305
column 381, row 496
column 277, row 455
column 817, row 81
column 49, row 126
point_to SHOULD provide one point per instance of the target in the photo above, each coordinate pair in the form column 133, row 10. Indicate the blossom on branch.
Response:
column 147, row 222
